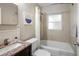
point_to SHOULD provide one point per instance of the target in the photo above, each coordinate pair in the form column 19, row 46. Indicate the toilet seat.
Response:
column 42, row 52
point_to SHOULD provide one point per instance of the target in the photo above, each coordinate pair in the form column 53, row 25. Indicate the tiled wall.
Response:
column 9, row 34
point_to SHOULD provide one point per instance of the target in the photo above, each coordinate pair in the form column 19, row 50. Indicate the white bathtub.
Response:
column 57, row 48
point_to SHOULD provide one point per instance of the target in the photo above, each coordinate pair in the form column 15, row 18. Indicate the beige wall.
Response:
column 64, row 34
column 74, row 23
column 73, row 15
column 26, row 31
column 8, row 34
column 43, row 27
column 21, row 31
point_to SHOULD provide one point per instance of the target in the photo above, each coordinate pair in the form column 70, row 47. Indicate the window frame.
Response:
column 54, row 22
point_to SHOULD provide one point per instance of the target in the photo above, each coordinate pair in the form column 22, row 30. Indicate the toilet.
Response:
column 41, row 52
column 36, row 50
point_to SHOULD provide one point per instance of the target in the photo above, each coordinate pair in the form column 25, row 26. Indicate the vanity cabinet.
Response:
column 25, row 52
column 8, row 14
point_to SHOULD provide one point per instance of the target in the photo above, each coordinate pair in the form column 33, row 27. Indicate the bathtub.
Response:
column 57, row 48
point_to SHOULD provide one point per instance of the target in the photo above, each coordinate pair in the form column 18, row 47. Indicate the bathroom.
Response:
column 30, row 28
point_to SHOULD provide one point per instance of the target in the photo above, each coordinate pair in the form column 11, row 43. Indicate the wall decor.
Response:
column 28, row 20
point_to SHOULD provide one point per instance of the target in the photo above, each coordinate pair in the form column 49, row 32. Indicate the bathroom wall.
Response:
column 73, row 18
column 77, row 47
column 21, row 30
column 8, row 31
column 64, row 34
column 75, row 25
column 8, row 34
column 43, row 27
column 25, row 10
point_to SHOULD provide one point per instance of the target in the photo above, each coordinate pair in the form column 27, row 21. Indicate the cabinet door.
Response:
column 9, row 15
column 25, row 52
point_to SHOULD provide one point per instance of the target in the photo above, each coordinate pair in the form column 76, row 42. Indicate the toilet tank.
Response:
column 35, row 43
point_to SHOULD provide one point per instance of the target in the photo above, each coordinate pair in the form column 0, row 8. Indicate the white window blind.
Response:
column 55, row 22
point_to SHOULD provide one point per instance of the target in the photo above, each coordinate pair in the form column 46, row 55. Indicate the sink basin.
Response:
column 32, row 40
column 9, row 47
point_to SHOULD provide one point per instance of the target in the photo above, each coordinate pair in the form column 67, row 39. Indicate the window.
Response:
column 55, row 22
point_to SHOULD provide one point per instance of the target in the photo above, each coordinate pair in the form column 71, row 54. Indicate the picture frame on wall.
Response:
column 28, row 20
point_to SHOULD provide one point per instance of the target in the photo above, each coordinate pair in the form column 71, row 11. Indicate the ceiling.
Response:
column 45, row 4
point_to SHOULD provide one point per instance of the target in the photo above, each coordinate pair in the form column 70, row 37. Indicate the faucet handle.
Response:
column 6, row 42
column 16, row 37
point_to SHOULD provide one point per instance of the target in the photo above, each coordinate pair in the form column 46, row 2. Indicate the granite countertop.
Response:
column 16, row 50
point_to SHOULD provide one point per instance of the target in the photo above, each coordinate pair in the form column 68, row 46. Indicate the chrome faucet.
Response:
column 6, row 42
